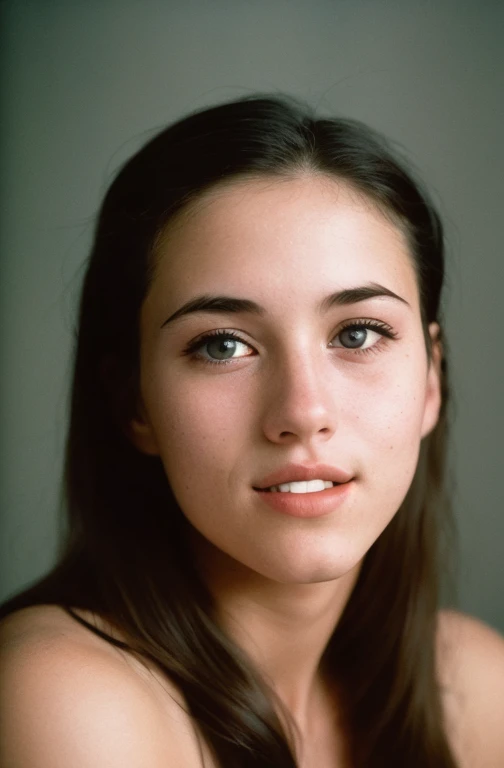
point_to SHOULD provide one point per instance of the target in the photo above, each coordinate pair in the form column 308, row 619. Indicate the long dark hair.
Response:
column 124, row 552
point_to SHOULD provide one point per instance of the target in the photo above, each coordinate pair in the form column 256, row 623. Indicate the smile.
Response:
column 307, row 498
column 302, row 486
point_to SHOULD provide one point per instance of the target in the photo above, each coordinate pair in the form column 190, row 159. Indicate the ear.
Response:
column 433, row 391
column 140, row 432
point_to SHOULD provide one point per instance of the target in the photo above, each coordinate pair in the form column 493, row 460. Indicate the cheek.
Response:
column 390, row 428
column 395, row 416
column 393, row 398
column 199, row 428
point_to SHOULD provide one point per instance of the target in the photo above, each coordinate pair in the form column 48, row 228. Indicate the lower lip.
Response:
column 316, row 504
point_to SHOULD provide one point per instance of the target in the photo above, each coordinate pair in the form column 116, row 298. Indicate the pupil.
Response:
column 354, row 337
column 224, row 348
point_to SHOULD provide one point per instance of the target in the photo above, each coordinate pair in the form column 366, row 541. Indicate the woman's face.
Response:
column 290, row 383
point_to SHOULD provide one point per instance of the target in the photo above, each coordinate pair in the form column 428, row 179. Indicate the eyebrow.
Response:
column 231, row 305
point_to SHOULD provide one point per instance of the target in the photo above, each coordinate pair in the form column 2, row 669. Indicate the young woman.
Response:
column 254, row 473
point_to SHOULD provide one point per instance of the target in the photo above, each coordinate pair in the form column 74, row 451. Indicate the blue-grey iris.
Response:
column 225, row 348
column 355, row 337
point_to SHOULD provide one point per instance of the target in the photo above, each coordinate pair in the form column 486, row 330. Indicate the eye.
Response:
column 363, row 335
column 218, row 347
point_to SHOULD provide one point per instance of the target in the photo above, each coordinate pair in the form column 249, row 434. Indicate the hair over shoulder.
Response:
column 123, row 553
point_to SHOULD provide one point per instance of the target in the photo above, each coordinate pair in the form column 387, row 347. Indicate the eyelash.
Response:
column 375, row 325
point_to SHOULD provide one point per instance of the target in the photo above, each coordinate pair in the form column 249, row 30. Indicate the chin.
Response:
column 313, row 571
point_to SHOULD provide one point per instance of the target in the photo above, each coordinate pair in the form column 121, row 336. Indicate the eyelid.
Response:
column 200, row 341
column 378, row 326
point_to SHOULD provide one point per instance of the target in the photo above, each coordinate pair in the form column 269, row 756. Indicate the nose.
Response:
column 300, row 401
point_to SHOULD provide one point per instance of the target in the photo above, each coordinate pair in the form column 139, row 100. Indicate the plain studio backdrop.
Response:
column 84, row 84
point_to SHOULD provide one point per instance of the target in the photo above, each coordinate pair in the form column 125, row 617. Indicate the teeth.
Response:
column 305, row 486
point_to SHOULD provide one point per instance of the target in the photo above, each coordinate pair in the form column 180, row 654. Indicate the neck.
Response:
column 283, row 628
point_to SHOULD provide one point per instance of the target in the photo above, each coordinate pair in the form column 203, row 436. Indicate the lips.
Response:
column 296, row 472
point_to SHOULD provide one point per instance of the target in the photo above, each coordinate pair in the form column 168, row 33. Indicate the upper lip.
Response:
column 292, row 473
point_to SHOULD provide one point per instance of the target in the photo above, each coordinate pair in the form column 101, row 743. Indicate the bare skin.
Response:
column 42, row 651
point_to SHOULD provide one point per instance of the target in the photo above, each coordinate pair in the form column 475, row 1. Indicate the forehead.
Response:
column 300, row 235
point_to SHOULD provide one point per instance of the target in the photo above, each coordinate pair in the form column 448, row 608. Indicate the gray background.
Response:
column 85, row 83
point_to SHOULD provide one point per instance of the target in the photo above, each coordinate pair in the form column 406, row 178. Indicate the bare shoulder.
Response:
column 471, row 674
column 65, row 699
